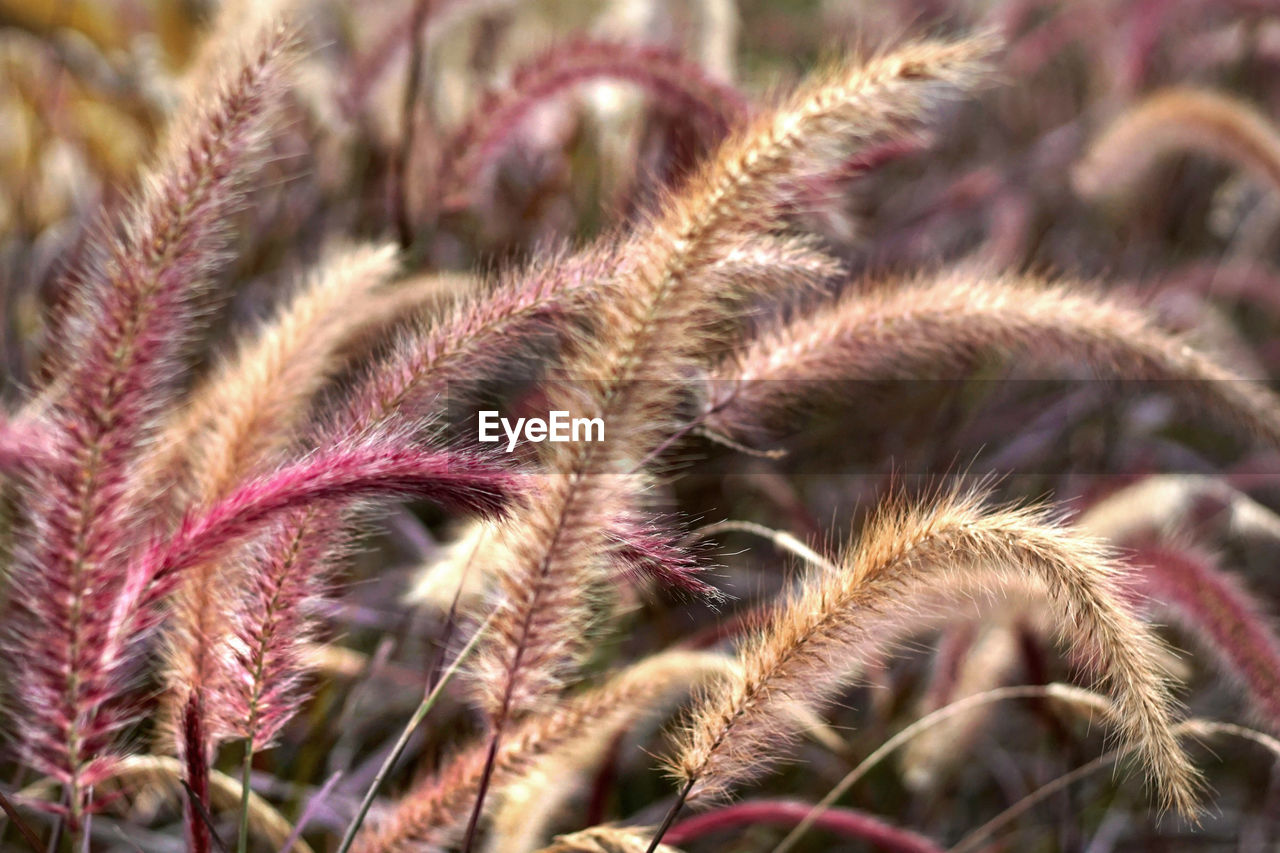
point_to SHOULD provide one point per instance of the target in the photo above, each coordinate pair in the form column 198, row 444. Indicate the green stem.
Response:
column 403, row 741
column 242, row 844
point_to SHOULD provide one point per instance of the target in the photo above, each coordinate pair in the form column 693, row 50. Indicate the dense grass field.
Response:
column 621, row 426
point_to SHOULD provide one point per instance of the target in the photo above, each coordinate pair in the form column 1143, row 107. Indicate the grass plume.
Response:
column 1221, row 616
column 939, row 327
column 235, row 426
column 954, row 541
column 1170, row 122
column 652, row 325
column 681, row 86
column 136, row 309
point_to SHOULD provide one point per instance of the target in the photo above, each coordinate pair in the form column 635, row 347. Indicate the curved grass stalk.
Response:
column 1189, row 728
column 668, row 77
column 424, row 708
column 848, row 823
column 780, row 538
column 1077, row 696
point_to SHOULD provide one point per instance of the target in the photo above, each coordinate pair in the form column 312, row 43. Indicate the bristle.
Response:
column 814, row 129
column 396, row 393
column 906, row 550
column 137, row 298
column 345, row 473
column 794, row 260
column 546, row 592
column 645, row 553
column 647, row 550
column 260, row 684
column 408, row 303
column 457, row 350
column 234, row 23
column 23, row 444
